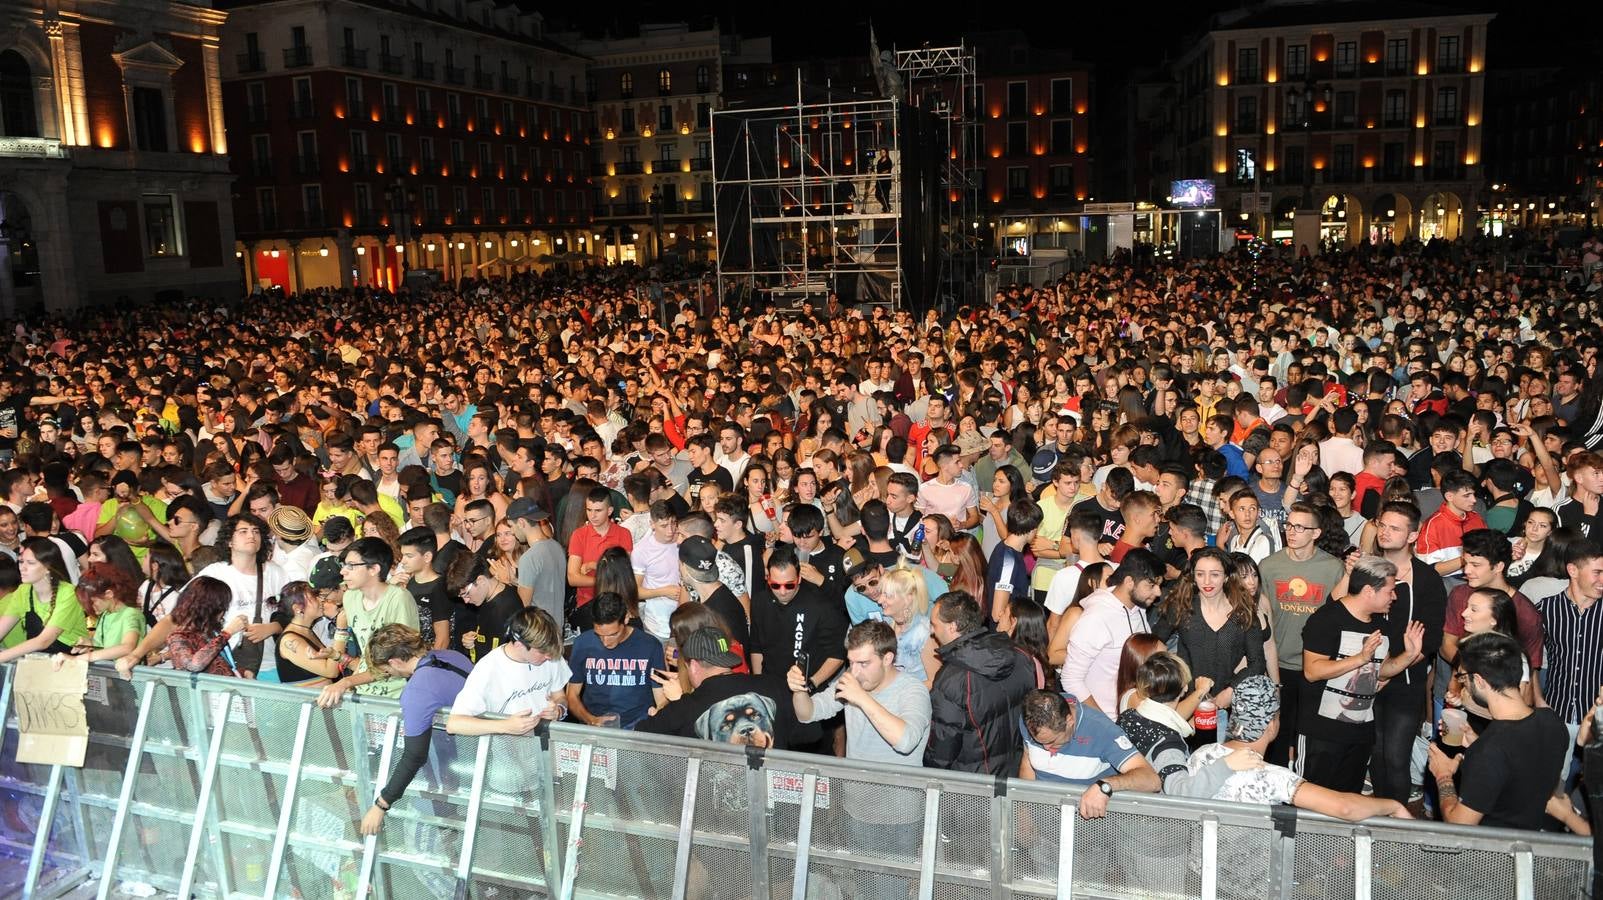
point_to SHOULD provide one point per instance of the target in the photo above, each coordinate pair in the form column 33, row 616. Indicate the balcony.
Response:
column 252, row 61
column 266, row 220
column 256, row 114
column 509, row 85
column 1447, row 117
column 362, row 163
column 625, row 208
column 1453, row 66
column 558, row 95
column 484, row 81
column 458, row 120
column 353, row 58
column 701, row 164
column 629, row 167
column 429, row 164
column 433, row 218
column 534, row 90
column 303, row 108
column 311, row 218
column 297, row 57
column 1246, row 125
column 1394, row 122
column 1396, row 67
column 367, row 218
column 308, row 164
column 455, row 75
column 390, row 64
column 261, row 167
column 394, row 115
column 423, row 69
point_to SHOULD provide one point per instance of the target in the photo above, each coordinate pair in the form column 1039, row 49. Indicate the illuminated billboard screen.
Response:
column 1191, row 192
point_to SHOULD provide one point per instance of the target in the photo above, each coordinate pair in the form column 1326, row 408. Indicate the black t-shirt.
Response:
column 725, row 708
column 1342, row 708
column 810, row 623
column 1572, row 515
column 747, row 554
column 434, row 604
column 719, row 474
column 1112, row 520
column 444, row 555
column 829, row 560
column 727, row 606
column 451, row 482
column 489, row 620
column 1511, row 769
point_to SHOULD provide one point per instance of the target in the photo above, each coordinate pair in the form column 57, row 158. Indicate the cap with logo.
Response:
column 710, row 646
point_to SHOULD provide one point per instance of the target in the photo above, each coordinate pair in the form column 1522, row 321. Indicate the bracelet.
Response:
column 381, row 803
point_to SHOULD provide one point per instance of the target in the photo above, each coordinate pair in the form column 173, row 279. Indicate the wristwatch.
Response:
column 1105, row 788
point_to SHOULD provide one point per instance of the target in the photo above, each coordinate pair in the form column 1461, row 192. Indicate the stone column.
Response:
column 250, row 267
column 345, row 247
column 8, row 284
column 295, row 267
column 214, row 95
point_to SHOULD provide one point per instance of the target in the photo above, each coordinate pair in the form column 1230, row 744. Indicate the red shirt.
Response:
column 1444, row 532
column 1363, row 484
column 588, row 544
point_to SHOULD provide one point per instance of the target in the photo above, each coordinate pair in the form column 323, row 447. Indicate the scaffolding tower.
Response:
column 808, row 200
column 942, row 81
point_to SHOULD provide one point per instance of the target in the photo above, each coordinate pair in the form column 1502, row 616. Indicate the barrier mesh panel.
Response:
column 1325, row 864
column 720, row 865
column 877, row 826
column 165, row 792
column 426, row 826
column 1414, row 872
column 1562, row 877
column 510, row 849
column 323, row 850
column 631, row 827
column 964, row 833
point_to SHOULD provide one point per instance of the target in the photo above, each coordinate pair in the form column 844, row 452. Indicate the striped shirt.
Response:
column 1572, row 646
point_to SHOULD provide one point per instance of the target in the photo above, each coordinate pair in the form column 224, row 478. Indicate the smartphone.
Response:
column 804, row 661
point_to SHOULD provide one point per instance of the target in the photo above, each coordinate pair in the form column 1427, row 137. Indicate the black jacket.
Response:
column 975, row 704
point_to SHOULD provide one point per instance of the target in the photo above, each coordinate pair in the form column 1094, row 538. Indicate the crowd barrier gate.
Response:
column 220, row 787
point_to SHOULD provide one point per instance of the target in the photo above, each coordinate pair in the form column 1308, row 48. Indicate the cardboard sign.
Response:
column 603, row 764
column 50, row 710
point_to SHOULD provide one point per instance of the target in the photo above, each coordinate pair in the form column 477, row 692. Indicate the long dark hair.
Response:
column 119, row 554
column 1029, row 630
column 202, row 604
column 1504, row 618
column 48, row 553
column 167, row 566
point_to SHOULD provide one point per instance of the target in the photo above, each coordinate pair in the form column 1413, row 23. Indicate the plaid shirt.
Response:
column 1201, row 494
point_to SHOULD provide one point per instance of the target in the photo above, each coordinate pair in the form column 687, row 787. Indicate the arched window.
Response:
column 703, row 80
column 18, row 116
column 664, row 80
column 626, row 84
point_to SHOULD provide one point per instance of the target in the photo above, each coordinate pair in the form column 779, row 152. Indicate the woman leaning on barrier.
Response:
column 433, row 679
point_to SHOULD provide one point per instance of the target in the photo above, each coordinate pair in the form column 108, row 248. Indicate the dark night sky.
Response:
column 1112, row 35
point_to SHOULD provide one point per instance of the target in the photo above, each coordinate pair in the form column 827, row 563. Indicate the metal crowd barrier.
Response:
column 217, row 787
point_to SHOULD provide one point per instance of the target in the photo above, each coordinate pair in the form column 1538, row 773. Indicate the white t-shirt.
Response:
column 244, row 602
column 501, row 686
column 1060, row 593
column 657, row 564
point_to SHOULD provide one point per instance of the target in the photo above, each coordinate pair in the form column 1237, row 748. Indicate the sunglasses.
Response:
column 783, row 585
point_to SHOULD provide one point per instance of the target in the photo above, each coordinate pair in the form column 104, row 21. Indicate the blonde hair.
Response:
column 905, row 582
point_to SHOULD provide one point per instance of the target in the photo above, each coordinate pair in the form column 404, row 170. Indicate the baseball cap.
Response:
column 852, row 562
column 972, row 442
column 325, row 573
column 524, row 508
column 1255, row 704
column 698, row 553
column 709, row 645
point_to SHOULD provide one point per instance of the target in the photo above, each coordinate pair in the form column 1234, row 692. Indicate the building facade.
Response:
column 1544, row 149
column 654, row 96
column 376, row 138
column 1034, row 109
column 1370, row 114
column 114, row 174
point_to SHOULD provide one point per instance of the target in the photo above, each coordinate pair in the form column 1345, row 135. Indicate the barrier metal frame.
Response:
column 777, row 847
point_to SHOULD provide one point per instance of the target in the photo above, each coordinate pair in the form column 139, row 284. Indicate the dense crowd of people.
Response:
column 1320, row 531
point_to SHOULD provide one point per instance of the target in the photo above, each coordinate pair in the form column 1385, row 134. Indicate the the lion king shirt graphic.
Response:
column 1298, row 590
